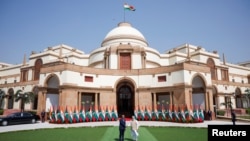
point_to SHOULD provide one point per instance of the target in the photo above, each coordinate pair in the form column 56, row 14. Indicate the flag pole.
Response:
column 124, row 16
column 124, row 1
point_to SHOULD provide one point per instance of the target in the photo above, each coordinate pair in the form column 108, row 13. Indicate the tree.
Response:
column 228, row 104
column 25, row 97
column 247, row 95
column 2, row 96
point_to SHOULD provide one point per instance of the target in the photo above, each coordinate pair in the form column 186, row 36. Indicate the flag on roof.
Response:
column 128, row 7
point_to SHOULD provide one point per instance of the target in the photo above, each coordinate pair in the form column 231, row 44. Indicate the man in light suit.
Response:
column 134, row 128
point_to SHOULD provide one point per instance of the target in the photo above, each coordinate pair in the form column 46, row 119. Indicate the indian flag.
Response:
column 82, row 115
column 76, row 115
column 170, row 114
column 50, row 113
column 128, row 7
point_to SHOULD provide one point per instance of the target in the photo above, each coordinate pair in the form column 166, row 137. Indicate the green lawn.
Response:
column 244, row 117
column 107, row 133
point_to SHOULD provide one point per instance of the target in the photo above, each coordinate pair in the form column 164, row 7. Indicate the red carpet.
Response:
column 127, row 119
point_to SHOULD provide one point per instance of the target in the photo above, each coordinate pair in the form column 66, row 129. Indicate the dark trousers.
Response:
column 121, row 136
column 43, row 118
column 233, row 122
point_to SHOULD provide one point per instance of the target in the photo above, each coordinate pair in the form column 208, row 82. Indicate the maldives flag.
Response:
column 128, row 7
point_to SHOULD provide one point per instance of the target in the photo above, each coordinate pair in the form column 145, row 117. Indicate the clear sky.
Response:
column 33, row 25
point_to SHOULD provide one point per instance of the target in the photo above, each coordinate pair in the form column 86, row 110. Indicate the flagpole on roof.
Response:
column 127, row 7
column 123, row 15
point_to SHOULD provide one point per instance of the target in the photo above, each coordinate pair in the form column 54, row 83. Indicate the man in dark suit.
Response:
column 233, row 117
column 122, row 128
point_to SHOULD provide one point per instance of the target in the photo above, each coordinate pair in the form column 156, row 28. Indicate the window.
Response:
column 162, row 78
column 88, row 79
column 227, row 101
column 24, row 75
column 224, row 75
column 211, row 65
column 125, row 61
column 38, row 66
column 163, row 100
column 125, row 93
column 88, row 101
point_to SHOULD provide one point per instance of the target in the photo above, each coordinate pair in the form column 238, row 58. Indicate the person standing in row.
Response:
column 122, row 128
column 134, row 128
column 43, row 115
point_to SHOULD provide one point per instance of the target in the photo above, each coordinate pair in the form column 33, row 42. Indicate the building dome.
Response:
column 124, row 33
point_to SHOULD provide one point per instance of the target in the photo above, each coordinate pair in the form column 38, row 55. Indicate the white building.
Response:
column 125, row 72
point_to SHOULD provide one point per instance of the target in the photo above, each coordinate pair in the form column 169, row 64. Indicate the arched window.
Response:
column 239, row 98
column 38, row 66
column 211, row 65
column 10, row 98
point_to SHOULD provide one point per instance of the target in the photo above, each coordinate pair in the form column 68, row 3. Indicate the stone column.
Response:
column 60, row 97
column 155, row 104
column 79, row 101
column 42, row 102
column 96, row 101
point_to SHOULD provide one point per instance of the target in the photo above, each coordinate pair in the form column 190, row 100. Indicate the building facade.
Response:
column 124, row 72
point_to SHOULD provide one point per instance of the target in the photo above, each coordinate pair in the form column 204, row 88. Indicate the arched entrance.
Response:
column 125, row 99
column 52, row 96
column 198, row 91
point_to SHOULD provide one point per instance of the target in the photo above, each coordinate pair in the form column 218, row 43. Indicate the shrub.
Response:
column 32, row 111
column 221, row 112
column 248, row 111
column 1, row 111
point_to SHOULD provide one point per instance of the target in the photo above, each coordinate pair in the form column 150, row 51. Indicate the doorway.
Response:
column 125, row 100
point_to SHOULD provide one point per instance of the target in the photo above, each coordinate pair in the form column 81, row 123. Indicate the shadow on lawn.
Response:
column 125, row 139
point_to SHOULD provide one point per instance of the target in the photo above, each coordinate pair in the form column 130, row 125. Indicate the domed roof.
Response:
column 124, row 32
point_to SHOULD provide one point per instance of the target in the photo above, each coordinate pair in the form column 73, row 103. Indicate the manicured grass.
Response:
column 110, row 133
column 244, row 117
column 179, row 133
column 57, row 134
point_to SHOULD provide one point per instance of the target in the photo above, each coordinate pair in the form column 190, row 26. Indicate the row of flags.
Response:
column 173, row 113
column 73, row 115
column 184, row 115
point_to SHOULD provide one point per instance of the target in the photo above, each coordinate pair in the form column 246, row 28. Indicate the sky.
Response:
column 34, row 25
